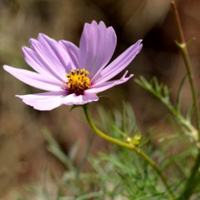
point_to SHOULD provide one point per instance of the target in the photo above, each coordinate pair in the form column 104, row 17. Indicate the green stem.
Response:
column 186, row 59
column 191, row 181
column 130, row 147
column 103, row 135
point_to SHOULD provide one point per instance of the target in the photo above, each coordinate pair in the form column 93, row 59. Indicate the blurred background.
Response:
column 22, row 146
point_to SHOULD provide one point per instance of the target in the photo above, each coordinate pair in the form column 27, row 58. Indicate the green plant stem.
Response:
column 186, row 59
column 130, row 147
column 103, row 135
column 191, row 181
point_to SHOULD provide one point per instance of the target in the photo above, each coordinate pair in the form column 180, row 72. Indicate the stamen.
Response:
column 78, row 81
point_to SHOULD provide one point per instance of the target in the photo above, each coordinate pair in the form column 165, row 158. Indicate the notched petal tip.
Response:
column 94, row 23
column 101, row 23
column 140, row 44
column 32, row 42
column 42, row 37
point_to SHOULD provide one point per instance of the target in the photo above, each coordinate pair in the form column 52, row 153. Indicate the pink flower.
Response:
column 72, row 75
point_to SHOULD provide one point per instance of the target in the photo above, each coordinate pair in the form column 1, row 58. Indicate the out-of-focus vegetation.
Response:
column 22, row 146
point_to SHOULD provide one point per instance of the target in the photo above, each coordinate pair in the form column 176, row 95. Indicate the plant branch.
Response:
column 183, row 47
column 191, row 183
column 130, row 147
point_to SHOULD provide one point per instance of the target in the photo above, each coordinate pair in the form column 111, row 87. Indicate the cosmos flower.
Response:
column 72, row 75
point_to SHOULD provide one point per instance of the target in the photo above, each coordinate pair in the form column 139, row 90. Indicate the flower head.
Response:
column 72, row 75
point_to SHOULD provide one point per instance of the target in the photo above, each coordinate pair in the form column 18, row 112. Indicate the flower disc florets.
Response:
column 78, row 81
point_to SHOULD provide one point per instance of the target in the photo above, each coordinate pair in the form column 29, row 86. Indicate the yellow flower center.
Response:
column 78, row 81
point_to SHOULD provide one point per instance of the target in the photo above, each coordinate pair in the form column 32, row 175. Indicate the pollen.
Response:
column 78, row 81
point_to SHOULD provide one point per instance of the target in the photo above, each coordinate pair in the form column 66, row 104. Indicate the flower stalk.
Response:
column 130, row 147
column 191, row 181
column 183, row 47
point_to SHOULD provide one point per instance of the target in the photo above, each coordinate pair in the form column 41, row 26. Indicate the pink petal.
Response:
column 51, row 100
column 107, row 85
column 73, row 52
column 73, row 99
column 97, row 46
column 34, row 79
column 119, row 64
column 56, row 50
column 34, row 61
column 52, row 55
column 44, row 101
